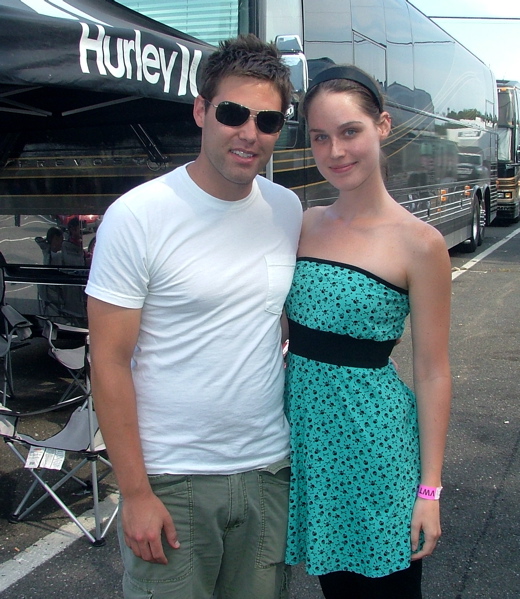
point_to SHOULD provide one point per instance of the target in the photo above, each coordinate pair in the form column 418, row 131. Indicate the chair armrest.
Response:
column 70, row 328
column 14, row 318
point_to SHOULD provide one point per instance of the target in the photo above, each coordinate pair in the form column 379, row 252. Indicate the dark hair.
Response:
column 73, row 222
column 53, row 232
column 246, row 56
column 347, row 79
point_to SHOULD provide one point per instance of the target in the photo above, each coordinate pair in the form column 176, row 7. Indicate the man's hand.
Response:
column 144, row 519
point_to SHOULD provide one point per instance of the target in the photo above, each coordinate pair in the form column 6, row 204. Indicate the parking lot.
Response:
column 478, row 555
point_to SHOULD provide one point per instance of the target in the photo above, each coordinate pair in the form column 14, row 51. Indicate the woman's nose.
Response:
column 337, row 148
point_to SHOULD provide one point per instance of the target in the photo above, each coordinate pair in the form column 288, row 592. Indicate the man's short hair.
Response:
column 53, row 232
column 246, row 56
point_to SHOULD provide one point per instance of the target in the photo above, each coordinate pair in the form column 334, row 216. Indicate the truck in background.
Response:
column 508, row 182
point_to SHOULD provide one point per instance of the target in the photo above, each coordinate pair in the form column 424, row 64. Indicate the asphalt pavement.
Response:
column 478, row 555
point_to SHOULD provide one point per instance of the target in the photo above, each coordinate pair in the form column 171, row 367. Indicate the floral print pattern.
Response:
column 354, row 432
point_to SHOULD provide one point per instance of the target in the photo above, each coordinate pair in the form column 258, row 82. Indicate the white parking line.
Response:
column 483, row 255
column 48, row 547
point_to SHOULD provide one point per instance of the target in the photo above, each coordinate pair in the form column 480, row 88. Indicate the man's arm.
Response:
column 113, row 336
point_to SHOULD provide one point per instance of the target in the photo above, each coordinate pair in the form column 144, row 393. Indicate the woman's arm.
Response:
column 430, row 295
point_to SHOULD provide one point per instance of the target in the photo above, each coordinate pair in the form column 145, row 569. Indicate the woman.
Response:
column 366, row 451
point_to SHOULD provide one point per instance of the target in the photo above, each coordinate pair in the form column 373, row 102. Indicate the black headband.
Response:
column 352, row 74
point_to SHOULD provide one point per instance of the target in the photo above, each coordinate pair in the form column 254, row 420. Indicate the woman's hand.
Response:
column 425, row 518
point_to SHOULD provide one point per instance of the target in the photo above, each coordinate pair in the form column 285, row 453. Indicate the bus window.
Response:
column 207, row 20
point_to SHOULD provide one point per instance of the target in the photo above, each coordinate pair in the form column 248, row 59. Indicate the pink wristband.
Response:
column 425, row 492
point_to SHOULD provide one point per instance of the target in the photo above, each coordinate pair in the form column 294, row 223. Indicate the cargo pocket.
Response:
column 176, row 494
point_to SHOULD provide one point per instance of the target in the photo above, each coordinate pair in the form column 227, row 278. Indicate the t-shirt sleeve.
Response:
column 119, row 271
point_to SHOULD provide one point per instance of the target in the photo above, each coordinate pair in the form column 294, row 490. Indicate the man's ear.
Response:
column 199, row 111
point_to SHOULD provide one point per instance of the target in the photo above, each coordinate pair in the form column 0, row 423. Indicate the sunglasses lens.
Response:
column 231, row 114
column 235, row 115
column 270, row 121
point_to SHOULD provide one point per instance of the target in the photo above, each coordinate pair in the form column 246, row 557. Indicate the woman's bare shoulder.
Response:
column 311, row 217
column 417, row 234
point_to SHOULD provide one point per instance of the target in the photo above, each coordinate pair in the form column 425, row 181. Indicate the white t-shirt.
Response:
column 211, row 277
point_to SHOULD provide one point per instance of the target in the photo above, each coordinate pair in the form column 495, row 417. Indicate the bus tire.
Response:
column 471, row 244
column 483, row 222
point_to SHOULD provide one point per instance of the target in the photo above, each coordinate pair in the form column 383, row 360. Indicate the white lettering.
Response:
column 119, row 70
column 151, row 61
column 120, row 57
column 87, row 44
column 138, row 55
column 128, row 49
column 183, row 79
column 189, row 73
column 197, row 56
column 167, row 69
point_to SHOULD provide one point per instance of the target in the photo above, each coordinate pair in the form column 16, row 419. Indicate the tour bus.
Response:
column 508, row 151
column 442, row 99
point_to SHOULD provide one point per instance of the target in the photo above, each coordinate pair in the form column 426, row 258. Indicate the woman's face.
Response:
column 345, row 141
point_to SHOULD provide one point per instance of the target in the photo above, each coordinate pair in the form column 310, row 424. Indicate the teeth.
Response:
column 243, row 154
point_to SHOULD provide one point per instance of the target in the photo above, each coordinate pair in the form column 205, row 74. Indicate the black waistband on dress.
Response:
column 341, row 350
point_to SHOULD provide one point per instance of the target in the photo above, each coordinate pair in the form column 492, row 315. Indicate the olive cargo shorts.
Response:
column 232, row 531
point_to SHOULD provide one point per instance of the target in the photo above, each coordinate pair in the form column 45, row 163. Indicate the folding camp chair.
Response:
column 72, row 358
column 80, row 436
column 14, row 332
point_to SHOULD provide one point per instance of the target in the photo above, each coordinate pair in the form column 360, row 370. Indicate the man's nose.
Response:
column 249, row 129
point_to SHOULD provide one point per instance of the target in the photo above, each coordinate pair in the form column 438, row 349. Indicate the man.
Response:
column 189, row 278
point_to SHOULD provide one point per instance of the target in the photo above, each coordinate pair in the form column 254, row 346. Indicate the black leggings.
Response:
column 405, row 584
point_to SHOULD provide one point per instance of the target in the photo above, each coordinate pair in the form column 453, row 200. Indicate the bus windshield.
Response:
column 505, row 108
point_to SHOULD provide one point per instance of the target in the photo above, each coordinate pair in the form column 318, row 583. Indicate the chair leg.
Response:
column 49, row 491
column 100, row 530
column 6, row 383
column 9, row 374
column 18, row 514
column 76, row 383
column 4, row 387
column 98, row 538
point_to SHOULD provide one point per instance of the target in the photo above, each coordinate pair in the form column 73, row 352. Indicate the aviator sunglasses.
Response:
column 232, row 114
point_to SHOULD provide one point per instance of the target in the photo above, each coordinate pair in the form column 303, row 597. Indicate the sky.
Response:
column 496, row 43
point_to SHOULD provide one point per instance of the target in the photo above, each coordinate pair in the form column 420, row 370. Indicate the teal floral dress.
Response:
column 354, row 432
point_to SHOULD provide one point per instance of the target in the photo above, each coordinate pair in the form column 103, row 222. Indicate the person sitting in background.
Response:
column 75, row 255
column 51, row 296
column 51, row 246
column 73, row 252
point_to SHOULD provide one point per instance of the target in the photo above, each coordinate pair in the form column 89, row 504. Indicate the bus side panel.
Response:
column 442, row 101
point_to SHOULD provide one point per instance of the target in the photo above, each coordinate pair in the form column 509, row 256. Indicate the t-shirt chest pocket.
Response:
column 280, row 270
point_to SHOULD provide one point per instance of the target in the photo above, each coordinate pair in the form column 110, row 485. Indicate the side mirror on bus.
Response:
column 291, row 49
